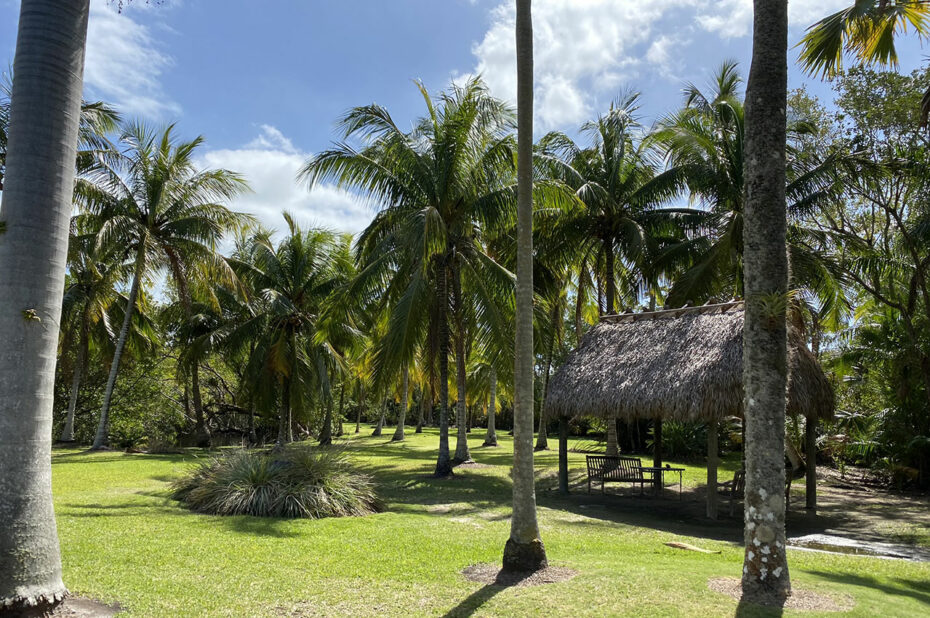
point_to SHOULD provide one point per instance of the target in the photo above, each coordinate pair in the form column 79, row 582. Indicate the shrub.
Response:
column 298, row 481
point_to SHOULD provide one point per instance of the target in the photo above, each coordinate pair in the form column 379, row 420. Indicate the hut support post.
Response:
column 712, row 469
column 563, row 455
column 657, row 449
column 810, row 433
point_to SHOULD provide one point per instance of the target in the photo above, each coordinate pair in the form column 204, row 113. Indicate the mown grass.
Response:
column 124, row 540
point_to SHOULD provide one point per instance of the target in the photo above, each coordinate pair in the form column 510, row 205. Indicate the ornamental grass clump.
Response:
column 298, row 481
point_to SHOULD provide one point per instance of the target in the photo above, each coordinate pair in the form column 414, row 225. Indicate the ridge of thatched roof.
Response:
column 681, row 364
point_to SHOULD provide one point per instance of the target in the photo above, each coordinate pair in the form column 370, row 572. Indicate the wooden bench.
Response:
column 617, row 470
column 735, row 488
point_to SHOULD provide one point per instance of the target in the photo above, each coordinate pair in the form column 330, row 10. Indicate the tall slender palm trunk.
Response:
column 380, row 425
column 38, row 185
column 443, row 461
column 524, row 550
column 361, row 404
column 337, row 422
column 284, row 415
column 613, row 449
column 422, row 411
column 462, row 454
column 491, row 439
column 542, row 435
column 402, row 416
column 765, row 357
column 610, row 284
column 326, row 429
column 102, row 439
column 67, row 433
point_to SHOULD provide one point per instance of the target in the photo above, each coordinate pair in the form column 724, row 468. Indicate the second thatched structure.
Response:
column 680, row 364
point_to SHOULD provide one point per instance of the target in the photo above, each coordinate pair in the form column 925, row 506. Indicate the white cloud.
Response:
column 585, row 49
column 270, row 163
column 582, row 49
column 733, row 18
column 124, row 64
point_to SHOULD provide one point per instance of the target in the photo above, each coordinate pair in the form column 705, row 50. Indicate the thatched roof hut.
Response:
column 681, row 364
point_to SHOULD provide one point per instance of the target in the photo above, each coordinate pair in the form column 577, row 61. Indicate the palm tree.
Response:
column 34, row 221
column 865, row 30
column 91, row 306
column 705, row 142
column 151, row 202
column 524, row 550
column 442, row 187
column 617, row 225
column 293, row 335
column 765, row 356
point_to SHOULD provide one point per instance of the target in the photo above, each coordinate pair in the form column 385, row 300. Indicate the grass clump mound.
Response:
column 296, row 482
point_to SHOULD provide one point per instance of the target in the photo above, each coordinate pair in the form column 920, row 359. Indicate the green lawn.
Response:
column 123, row 540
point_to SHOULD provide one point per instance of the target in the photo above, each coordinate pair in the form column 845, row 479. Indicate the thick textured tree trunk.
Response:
column 765, row 357
column 491, row 439
column 444, row 461
column 402, row 417
column 38, row 185
column 524, row 550
column 67, row 433
column 613, row 448
column 102, row 439
column 462, row 454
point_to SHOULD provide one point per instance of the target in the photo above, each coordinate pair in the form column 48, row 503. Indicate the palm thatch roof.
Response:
column 681, row 364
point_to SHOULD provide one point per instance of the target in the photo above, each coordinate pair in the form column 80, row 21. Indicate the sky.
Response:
column 266, row 81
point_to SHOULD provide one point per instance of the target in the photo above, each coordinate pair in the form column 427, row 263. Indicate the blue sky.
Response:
column 264, row 82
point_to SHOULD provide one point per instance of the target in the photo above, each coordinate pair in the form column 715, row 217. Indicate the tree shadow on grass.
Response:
column 750, row 610
column 476, row 599
column 916, row 590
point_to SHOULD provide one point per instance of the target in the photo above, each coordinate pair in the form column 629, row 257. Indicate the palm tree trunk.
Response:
column 380, row 425
column 67, row 434
column 43, row 136
column 338, row 421
column 765, row 358
column 542, row 436
column 402, row 416
column 524, row 550
column 491, row 439
column 610, row 283
column 579, row 300
column 421, row 407
column 444, row 461
column 326, row 431
column 358, row 414
column 462, row 454
column 613, row 449
column 102, row 439
column 284, row 416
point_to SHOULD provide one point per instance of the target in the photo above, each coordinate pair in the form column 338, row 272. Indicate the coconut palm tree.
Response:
column 524, row 550
column 97, row 120
column 92, row 305
column 441, row 187
column 705, row 142
column 37, row 201
column 617, row 227
column 151, row 202
column 293, row 334
column 866, row 30
column 765, row 356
